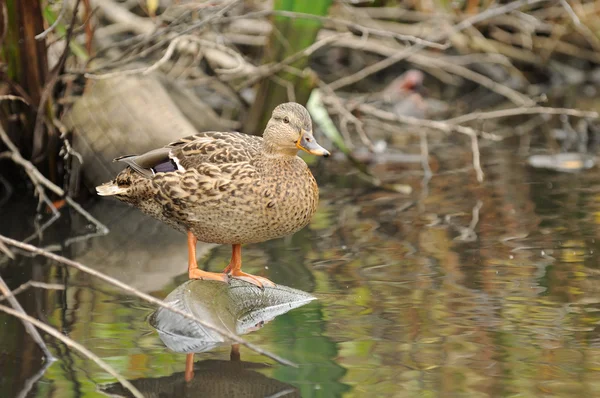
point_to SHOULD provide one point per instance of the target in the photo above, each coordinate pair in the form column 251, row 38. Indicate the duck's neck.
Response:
column 271, row 151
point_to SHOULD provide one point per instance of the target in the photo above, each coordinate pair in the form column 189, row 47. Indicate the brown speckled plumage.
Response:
column 228, row 187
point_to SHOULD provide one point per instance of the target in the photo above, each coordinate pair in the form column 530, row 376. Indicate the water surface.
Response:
column 458, row 290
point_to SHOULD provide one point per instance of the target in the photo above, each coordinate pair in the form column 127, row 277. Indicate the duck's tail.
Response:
column 110, row 188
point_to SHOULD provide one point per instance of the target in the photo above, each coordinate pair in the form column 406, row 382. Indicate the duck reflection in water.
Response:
column 237, row 307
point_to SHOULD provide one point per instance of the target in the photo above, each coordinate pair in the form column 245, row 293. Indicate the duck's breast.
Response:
column 290, row 199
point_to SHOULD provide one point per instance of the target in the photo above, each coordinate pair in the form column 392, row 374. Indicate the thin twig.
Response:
column 347, row 80
column 365, row 30
column 572, row 15
column 168, row 54
column 165, row 32
column 6, row 251
column 75, row 345
column 346, row 115
column 39, row 180
column 63, row 9
column 494, row 12
column 4, row 12
column 49, row 87
column 265, row 71
column 30, row 329
column 536, row 110
column 428, row 61
column 144, row 296
column 9, row 97
column 373, row 68
column 437, row 125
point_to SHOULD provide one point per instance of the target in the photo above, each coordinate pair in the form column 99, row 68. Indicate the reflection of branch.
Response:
column 28, row 284
column 30, row 329
column 442, row 126
column 75, row 345
column 143, row 296
column 468, row 234
column 30, row 382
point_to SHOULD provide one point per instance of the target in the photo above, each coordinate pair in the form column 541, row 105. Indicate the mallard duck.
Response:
column 227, row 187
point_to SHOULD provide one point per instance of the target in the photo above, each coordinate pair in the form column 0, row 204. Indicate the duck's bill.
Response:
column 308, row 144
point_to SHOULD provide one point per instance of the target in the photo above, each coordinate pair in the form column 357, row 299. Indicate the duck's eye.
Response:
column 286, row 120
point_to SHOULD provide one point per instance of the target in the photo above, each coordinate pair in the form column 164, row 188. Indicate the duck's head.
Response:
column 290, row 129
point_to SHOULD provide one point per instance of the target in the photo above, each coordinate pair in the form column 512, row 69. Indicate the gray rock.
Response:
column 238, row 307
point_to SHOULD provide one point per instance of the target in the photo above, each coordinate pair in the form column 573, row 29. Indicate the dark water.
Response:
column 462, row 290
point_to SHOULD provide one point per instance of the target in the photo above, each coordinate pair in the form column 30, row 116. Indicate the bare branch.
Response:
column 75, row 345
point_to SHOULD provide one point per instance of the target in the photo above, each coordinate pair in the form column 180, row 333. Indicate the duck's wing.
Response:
column 215, row 148
column 195, row 151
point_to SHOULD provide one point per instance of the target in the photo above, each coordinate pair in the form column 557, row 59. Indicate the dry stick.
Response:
column 38, row 179
column 49, row 87
column 494, row 12
column 347, row 80
column 522, row 111
column 144, row 296
column 346, row 115
column 365, row 30
column 30, row 329
column 6, row 251
column 4, row 11
column 270, row 69
column 507, row 92
column 580, row 26
column 442, row 126
column 373, row 68
column 73, row 344
column 167, row 55
column 164, row 32
column 383, row 49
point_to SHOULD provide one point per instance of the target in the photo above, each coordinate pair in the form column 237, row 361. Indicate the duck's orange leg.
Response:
column 234, row 269
column 234, row 355
column 189, row 367
column 193, row 271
